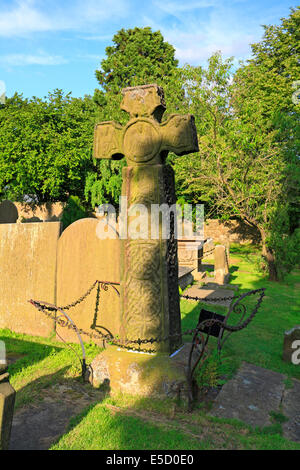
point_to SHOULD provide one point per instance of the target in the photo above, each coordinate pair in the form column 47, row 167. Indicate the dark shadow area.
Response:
column 243, row 232
column 8, row 212
column 25, row 353
column 57, row 399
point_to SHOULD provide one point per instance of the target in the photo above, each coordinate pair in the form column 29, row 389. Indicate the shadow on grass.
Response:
column 52, row 400
column 261, row 342
column 22, row 353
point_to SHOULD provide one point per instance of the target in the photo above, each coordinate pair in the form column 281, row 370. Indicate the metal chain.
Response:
column 127, row 344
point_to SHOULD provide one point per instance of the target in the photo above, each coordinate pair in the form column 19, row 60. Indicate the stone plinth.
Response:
column 142, row 374
column 190, row 253
column 7, row 402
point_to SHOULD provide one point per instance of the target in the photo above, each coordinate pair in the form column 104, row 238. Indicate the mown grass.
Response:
column 261, row 342
column 125, row 422
column 145, row 424
column 40, row 363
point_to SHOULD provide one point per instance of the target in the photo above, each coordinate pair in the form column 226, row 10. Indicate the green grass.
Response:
column 261, row 342
column 42, row 361
column 126, row 422
column 146, row 425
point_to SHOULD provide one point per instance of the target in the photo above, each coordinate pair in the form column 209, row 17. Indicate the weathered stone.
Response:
column 221, row 265
column 83, row 258
column 7, row 402
column 190, row 253
column 291, row 409
column 27, row 271
column 291, row 344
column 250, row 396
column 230, row 231
column 142, row 374
column 210, row 292
column 149, row 267
column 185, row 276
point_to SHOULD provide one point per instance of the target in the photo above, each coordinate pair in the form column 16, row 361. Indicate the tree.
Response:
column 45, row 146
column 266, row 84
column 139, row 56
column 242, row 168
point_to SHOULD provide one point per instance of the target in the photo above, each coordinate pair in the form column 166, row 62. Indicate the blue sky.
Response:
column 47, row 44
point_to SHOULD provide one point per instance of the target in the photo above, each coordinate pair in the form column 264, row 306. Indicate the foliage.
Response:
column 45, row 146
column 138, row 57
column 73, row 211
column 249, row 147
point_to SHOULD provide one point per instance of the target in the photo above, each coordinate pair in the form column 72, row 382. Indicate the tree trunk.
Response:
column 269, row 257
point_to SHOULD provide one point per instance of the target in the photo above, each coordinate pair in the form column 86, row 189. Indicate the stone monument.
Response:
column 7, row 402
column 149, row 267
column 221, row 265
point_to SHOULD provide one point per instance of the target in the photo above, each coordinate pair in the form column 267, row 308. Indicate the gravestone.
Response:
column 291, row 345
column 82, row 258
column 27, row 271
column 149, row 304
column 221, row 265
column 8, row 212
column 7, row 402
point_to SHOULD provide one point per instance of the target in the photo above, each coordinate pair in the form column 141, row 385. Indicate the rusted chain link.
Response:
column 128, row 344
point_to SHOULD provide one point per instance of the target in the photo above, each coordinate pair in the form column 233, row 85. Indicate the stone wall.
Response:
column 231, row 231
column 11, row 212
column 27, row 271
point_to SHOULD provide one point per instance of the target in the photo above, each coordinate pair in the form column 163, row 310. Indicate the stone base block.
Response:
column 142, row 374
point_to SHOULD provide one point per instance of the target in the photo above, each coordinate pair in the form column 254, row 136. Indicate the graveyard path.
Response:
column 191, row 424
column 38, row 425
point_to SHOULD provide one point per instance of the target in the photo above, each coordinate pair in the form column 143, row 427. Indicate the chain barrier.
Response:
column 198, row 340
column 46, row 308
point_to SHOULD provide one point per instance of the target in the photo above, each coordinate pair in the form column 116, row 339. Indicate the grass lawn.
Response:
column 261, row 342
column 125, row 422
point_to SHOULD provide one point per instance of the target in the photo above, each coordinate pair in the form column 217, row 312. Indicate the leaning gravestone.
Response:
column 221, row 265
column 7, row 402
column 149, row 267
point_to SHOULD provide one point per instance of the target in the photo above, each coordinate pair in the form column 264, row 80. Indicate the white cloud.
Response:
column 22, row 19
column 31, row 59
column 31, row 16
column 197, row 31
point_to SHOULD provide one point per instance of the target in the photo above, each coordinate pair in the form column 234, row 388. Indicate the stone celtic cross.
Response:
column 149, row 268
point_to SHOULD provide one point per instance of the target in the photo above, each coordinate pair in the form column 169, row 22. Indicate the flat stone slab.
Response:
column 251, row 395
column 38, row 425
column 291, row 409
column 185, row 276
column 208, row 294
column 184, row 270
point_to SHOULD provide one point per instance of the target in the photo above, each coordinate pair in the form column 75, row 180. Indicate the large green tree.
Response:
column 45, row 146
column 139, row 56
column 243, row 168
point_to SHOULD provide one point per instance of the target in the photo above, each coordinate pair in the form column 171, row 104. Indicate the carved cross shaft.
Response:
column 149, row 267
